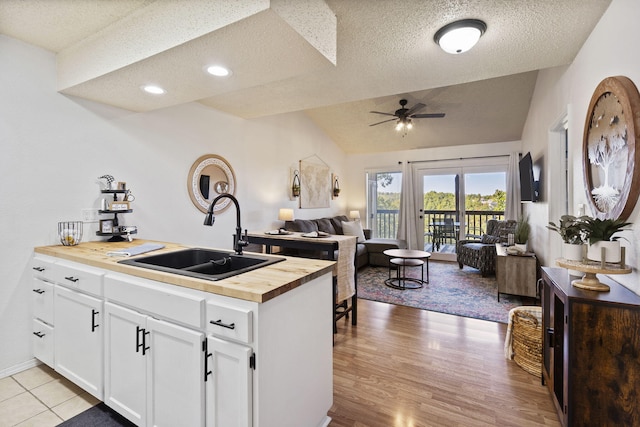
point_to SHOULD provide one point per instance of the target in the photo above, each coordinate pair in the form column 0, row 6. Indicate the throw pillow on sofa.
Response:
column 353, row 228
column 325, row 225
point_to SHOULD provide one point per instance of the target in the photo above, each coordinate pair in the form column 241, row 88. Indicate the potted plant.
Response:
column 601, row 234
column 521, row 233
column 573, row 233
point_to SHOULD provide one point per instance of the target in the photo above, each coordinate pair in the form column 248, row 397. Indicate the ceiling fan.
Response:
column 403, row 115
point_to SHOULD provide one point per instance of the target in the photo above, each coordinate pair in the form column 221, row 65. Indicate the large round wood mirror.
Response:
column 209, row 177
column 611, row 158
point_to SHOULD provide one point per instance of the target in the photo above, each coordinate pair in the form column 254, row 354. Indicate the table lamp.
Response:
column 285, row 214
column 354, row 215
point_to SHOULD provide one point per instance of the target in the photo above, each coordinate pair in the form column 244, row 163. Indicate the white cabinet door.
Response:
column 175, row 372
column 154, row 370
column 78, row 344
column 125, row 375
column 229, row 380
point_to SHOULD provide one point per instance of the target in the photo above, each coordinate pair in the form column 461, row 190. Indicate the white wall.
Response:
column 53, row 148
column 567, row 90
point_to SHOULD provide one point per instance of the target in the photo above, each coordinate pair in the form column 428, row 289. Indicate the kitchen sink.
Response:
column 203, row 263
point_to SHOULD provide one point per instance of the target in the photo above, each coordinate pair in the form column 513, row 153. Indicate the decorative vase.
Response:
column 572, row 252
column 612, row 251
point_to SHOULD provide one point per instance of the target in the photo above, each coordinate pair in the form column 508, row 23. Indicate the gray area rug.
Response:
column 450, row 290
column 98, row 416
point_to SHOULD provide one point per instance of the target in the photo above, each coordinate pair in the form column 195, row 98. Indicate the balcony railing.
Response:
column 475, row 222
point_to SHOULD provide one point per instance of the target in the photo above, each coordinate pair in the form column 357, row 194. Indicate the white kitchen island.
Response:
column 161, row 349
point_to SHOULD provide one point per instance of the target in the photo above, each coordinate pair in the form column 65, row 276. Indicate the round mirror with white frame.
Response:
column 210, row 176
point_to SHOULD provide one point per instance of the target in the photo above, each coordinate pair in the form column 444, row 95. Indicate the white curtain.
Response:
column 407, row 222
column 512, row 209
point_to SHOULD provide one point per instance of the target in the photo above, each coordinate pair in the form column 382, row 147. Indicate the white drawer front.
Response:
column 43, row 342
column 42, row 300
column 165, row 301
column 230, row 322
column 42, row 267
column 78, row 276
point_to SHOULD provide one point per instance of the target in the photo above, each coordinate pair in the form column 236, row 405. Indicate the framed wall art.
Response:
column 610, row 158
column 315, row 183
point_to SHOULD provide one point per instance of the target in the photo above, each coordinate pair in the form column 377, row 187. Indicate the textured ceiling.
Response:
column 336, row 60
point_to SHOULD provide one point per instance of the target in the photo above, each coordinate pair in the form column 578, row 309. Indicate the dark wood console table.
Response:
column 328, row 245
column 591, row 351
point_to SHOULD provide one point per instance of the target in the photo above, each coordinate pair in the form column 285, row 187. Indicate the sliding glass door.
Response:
column 456, row 204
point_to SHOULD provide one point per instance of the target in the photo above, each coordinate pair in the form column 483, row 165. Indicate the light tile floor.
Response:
column 40, row 397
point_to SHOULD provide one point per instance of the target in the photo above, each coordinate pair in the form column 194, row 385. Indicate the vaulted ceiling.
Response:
column 337, row 60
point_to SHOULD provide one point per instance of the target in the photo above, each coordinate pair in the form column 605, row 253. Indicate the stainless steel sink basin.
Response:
column 203, row 263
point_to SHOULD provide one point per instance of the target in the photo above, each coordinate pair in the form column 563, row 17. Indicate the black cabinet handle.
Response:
column 39, row 334
column 93, row 320
column 40, row 269
column 39, row 291
column 205, row 348
column 145, row 347
column 139, row 342
column 224, row 325
column 550, row 337
column 72, row 279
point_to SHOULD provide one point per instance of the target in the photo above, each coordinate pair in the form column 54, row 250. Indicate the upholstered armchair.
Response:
column 481, row 254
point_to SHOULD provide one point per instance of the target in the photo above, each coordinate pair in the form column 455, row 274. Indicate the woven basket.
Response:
column 527, row 342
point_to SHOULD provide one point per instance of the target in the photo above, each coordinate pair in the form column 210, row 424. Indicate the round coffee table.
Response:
column 401, row 259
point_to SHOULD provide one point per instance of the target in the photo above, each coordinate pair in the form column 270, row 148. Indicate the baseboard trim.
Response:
column 19, row 367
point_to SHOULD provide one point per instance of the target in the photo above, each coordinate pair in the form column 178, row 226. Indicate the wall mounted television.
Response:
column 528, row 185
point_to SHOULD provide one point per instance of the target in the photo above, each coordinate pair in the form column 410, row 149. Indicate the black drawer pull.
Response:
column 39, row 291
column 72, row 279
column 224, row 325
column 39, row 334
column 40, row 269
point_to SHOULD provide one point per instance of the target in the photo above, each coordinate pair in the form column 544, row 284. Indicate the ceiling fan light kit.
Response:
column 403, row 116
column 460, row 36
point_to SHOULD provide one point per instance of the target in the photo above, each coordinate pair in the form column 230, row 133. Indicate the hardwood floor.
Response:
column 405, row 367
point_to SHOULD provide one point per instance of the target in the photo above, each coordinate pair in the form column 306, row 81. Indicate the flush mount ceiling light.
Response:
column 460, row 36
column 218, row 71
column 153, row 89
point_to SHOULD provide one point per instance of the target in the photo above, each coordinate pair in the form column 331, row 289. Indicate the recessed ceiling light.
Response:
column 218, row 71
column 460, row 36
column 153, row 89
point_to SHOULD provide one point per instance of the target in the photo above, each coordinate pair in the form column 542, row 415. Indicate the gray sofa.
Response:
column 368, row 252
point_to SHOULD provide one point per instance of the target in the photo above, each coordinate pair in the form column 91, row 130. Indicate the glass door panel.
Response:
column 484, row 199
column 440, row 222
column 384, row 203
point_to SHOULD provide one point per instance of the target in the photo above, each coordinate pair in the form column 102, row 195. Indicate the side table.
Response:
column 401, row 259
column 516, row 274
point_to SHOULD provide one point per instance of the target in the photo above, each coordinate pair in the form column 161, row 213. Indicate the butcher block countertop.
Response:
column 258, row 285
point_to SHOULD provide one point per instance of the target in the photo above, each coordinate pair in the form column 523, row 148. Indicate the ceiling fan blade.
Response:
column 419, row 106
column 385, row 121
column 428, row 116
column 379, row 112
